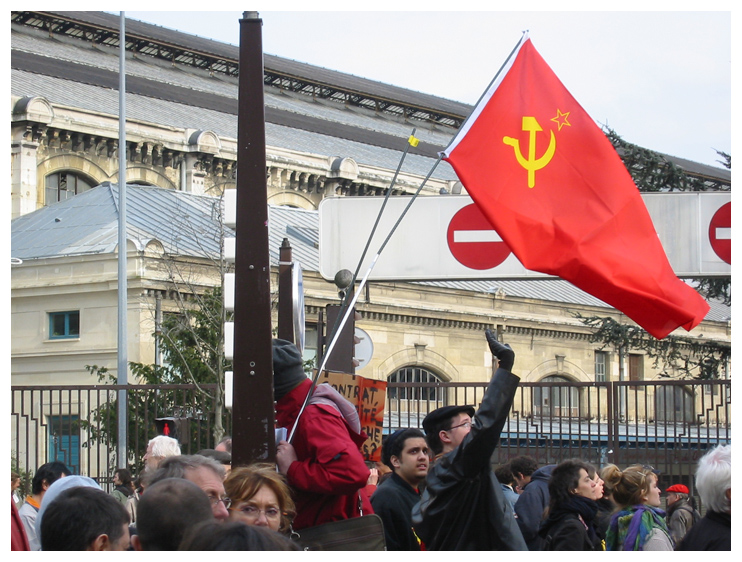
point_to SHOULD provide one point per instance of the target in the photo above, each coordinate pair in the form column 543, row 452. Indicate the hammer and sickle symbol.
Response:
column 531, row 164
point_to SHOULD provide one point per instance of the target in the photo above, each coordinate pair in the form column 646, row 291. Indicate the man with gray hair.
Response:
column 205, row 472
column 158, row 449
column 714, row 485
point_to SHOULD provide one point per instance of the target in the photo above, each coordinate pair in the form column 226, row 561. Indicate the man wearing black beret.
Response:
column 463, row 507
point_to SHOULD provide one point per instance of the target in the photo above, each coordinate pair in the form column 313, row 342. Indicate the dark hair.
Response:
column 504, row 474
column 78, row 515
column 49, row 472
column 234, row 535
column 433, row 438
column 524, row 465
column 125, row 477
column 563, row 480
column 167, row 510
column 396, row 443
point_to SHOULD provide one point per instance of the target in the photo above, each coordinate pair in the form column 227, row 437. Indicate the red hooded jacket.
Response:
column 330, row 474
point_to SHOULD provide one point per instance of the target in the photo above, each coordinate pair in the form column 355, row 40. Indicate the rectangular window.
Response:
column 601, row 366
column 636, row 367
column 64, row 441
column 64, row 325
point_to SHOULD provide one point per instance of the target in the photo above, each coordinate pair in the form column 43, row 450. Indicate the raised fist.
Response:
column 504, row 354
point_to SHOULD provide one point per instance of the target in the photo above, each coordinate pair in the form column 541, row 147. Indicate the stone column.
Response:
column 23, row 163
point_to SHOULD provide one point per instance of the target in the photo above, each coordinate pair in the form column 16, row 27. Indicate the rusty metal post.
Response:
column 285, row 293
column 253, row 434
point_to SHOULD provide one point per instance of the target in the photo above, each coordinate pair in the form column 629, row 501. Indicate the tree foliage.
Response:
column 679, row 357
column 674, row 356
column 653, row 172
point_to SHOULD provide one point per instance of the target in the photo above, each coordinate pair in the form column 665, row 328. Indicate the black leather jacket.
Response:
column 463, row 507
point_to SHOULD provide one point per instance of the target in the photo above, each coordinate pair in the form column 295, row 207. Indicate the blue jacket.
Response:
column 530, row 507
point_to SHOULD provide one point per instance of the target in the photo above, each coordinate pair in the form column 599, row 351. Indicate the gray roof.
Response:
column 69, row 71
column 184, row 224
column 187, row 224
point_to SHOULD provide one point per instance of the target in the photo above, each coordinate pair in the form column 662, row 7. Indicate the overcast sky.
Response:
column 660, row 79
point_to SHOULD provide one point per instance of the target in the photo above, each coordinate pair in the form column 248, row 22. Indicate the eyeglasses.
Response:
column 650, row 468
column 226, row 501
column 252, row 512
column 465, row 424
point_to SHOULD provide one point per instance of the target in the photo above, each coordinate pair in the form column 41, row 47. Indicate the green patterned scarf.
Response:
column 630, row 528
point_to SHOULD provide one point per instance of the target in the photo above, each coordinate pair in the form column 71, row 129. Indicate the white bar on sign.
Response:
column 230, row 207
column 229, row 285
column 723, row 233
column 230, row 251
column 228, row 385
column 229, row 340
column 476, row 236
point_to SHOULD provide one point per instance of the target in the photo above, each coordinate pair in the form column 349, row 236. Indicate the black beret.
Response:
column 437, row 416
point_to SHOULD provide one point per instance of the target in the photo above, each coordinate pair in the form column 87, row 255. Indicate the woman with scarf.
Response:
column 572, row 509
column 639, row 523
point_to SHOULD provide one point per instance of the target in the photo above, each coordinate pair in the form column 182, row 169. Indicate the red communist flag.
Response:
column 553, row 187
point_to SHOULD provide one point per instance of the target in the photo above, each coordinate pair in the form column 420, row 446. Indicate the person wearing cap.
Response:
column 463, row 507
column 323, row 464
column 406, row 453
column 680, row 514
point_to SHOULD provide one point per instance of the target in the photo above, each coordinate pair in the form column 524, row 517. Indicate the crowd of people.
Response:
column 432, row 490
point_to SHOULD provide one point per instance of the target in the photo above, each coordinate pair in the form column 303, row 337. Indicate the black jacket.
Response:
column 393, row 501
column 570, row 526
column 603, row 518
column 463, row 507
column 712, row 532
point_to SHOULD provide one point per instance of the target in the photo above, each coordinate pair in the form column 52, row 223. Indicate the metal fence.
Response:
column 666, row 424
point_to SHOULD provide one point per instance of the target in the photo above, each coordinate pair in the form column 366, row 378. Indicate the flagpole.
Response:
column 122, row 360
column 475, row 112
column 356, row 295
column 411, row 141
column 381, row 211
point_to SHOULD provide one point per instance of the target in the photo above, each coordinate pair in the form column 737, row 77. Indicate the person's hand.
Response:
column 373, row 478
column 285, row 455
column 504, row 354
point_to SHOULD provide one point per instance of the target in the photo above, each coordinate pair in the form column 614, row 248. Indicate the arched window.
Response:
column 63, row 185
column 416, row 375
column 412, row 393
column 556, row 401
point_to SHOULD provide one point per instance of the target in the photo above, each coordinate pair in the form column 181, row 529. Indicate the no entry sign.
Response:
column 473, row 242
column 720, row 232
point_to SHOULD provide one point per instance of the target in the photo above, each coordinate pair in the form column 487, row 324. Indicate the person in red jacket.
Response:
column 323, row 464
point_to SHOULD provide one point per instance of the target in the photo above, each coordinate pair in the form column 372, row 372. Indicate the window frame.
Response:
column 67, row 315
column 601, row 377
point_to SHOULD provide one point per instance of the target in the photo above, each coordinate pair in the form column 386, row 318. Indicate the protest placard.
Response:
column 369, row 398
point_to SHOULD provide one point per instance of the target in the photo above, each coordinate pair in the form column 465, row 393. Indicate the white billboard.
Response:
column 446, row 237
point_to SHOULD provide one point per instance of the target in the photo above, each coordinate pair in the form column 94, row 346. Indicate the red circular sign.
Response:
column 720, row 232
column 473, row 241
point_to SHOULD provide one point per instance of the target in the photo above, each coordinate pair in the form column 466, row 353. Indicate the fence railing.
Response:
column 667, row 424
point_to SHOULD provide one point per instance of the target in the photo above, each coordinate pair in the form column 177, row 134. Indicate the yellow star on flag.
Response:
column 561, row 119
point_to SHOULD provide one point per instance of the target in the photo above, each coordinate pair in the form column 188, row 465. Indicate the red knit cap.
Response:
column 678, row 488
